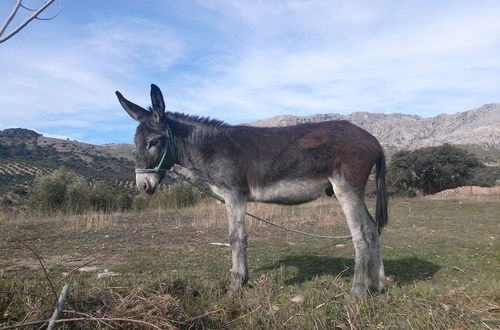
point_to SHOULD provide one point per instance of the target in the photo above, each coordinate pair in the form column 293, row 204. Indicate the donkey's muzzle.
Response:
column 147, row 182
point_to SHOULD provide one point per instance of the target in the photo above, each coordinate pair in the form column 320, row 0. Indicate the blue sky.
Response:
column 241, row 61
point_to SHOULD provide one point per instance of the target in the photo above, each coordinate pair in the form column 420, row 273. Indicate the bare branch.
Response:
column 88, row 316
column 23, row 24
column 21, row 325
column 42, row 263
column 27, row 8
column 59, row 307
column 78, row 319
column 10, row 17
column 45, row 18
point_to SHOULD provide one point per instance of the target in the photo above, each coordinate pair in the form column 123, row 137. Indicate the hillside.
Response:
column 25, row 153
column 477, row 130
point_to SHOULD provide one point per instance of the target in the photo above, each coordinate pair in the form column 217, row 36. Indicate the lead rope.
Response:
column 183, row 177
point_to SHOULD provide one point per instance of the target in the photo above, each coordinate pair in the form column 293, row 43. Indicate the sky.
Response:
column 242, row 61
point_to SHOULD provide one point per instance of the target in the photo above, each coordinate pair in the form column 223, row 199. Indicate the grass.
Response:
column 441, row 257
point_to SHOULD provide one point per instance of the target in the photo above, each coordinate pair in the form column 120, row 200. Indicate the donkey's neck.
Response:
column 194, row 137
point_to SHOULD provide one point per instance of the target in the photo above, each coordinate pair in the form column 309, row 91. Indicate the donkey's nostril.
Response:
column 145, row 184
column 142, row 186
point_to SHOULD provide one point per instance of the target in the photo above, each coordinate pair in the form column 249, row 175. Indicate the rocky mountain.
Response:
column 477, row 130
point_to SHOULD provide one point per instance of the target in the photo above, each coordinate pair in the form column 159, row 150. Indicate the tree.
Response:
column 431, row 169
column 401, row 173
column 34, row 15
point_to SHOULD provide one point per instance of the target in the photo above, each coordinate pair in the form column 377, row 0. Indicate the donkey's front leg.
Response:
column 238, row 239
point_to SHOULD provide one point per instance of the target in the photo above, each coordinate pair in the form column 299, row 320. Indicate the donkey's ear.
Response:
column 158, row 103
column 135, row 111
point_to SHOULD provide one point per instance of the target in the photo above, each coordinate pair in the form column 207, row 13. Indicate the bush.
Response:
column 78, row 196
column 121, row 201
column 182, row 195
column 66, row 191
column 177, row 196
column 141, row 202
column 48, row 193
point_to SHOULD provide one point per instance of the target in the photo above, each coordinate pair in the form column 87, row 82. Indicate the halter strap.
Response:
column 169, row 148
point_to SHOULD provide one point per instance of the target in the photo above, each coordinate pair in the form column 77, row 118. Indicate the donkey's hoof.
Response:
column 358, row 291
column 377, row 288
column 237, row 281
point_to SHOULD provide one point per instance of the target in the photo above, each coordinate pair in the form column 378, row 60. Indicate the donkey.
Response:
column 285, row 165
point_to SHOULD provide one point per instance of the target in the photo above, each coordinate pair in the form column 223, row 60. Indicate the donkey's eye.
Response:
column 152, row 143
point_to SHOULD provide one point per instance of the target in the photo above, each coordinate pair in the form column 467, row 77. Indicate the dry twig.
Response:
column 59, row 307
column 42, row 263
column 78, row 319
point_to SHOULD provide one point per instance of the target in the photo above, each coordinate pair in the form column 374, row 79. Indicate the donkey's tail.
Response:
column 381, row 213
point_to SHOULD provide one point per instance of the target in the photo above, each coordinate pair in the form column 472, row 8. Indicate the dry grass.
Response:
column 90, row 221
column 442, row 258
column 207, row 214
column 155, row 307
column 93, row 221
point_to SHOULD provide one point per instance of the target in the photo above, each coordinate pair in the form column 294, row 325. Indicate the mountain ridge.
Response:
column 473, row 129
column 477, row 130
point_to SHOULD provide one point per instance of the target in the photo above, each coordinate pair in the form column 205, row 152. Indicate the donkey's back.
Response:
column 296, row 164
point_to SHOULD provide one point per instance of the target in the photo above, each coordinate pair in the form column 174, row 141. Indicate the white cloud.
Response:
column 241, row 61
column 129, row 44
column 71, row 81
column 379, row 66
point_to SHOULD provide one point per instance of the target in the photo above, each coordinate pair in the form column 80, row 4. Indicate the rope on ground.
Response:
column 209, row 193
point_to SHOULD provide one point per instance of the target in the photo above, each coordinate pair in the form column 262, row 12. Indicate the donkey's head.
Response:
column 153, row 139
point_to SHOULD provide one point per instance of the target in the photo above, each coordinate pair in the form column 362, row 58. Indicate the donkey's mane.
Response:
column 196, row 120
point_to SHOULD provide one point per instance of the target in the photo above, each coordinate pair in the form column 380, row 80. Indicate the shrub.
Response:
column 5, row 202
column 177, row 196
column 121, row 201
column 78, row 196
column 182, row 195
column 66, row 191
column 48, row 192
column 101, row 196
column 141, row 202
column 105, row 198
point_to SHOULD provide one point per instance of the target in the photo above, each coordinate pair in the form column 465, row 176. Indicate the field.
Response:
column 160, row 269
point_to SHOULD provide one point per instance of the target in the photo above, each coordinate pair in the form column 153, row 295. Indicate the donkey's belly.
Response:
column 289, row 192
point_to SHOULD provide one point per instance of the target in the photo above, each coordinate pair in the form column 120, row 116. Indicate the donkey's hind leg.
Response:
column 364, row 235
column 377, row 273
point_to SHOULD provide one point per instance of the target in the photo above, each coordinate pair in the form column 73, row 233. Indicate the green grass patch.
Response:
column 441, row 258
